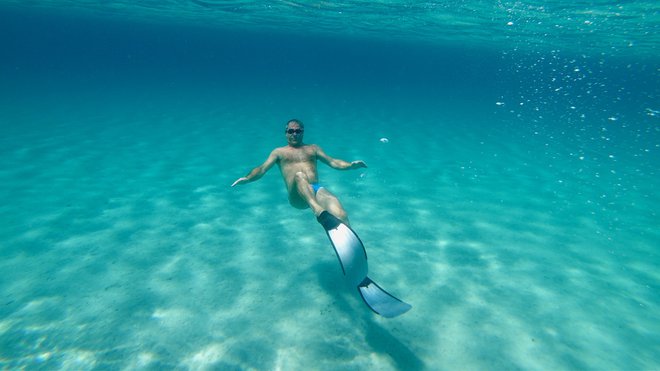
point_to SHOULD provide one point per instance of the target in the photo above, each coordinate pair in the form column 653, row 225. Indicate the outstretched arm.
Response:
column 336, row 163
column 258, row 171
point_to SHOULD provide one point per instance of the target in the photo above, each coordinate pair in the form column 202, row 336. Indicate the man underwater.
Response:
column 297, row 162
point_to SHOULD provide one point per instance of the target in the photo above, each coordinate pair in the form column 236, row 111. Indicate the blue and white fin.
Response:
column 353, row 260
column 381, row 301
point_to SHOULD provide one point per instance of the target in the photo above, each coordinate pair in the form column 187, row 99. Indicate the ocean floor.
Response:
column 124, row 246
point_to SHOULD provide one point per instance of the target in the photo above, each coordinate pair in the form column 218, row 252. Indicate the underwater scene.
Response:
column 510, row 193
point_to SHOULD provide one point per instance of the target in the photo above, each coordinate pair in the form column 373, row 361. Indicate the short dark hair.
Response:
column 295, row 121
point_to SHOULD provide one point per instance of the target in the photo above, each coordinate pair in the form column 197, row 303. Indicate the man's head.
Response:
column 294, row 132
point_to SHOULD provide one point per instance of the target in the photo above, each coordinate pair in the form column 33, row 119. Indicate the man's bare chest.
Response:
column 297, row 156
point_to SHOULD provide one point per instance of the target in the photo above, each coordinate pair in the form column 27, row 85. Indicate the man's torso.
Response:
column 294, row 159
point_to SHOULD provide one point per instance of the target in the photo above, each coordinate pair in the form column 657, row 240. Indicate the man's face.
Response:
column 294, row 134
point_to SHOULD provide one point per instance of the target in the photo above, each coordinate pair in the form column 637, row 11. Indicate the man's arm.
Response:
column 336, row 163
column 258, row 171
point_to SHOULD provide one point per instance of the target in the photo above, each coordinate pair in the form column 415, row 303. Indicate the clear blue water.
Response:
column 514, row 204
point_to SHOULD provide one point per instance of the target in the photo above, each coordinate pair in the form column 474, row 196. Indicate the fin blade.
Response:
column 381, row 301
column 348, row 247
column 351, row 253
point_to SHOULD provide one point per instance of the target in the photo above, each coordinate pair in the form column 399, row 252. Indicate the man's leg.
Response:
column 323, row 200
column 330, row 202
column 306, row 192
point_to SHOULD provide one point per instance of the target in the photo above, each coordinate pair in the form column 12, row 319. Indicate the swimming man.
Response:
column 297, row 162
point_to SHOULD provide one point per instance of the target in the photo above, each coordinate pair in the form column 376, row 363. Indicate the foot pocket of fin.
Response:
column 327, row 220
column 380, row 301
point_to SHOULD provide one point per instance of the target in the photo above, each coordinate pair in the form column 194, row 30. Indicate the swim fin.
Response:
column 353, row 260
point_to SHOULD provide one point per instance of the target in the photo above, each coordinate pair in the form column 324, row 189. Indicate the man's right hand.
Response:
column 240, row 181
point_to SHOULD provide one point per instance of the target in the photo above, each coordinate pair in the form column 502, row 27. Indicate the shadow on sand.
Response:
column 348, row 302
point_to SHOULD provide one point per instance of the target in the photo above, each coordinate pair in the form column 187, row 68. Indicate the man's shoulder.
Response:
column 280, row 150
column 277, row 152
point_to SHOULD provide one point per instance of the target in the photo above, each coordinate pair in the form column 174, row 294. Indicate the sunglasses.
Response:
column 297, row 131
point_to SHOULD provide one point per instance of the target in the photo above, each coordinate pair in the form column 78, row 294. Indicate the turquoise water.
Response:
column 514, row 204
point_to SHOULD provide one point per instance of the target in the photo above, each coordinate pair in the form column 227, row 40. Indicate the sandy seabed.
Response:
column 124, row 247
